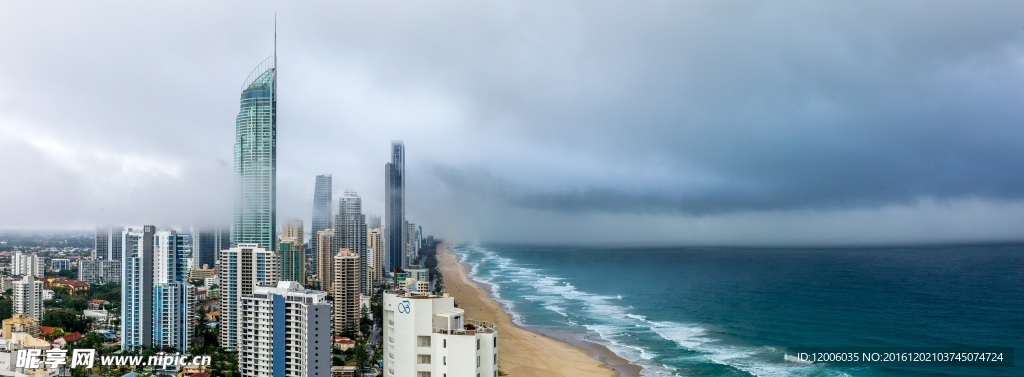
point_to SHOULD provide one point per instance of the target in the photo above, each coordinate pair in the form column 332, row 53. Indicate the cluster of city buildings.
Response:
column 283, row 302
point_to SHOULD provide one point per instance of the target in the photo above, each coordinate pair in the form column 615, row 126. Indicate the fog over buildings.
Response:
column 665, row 122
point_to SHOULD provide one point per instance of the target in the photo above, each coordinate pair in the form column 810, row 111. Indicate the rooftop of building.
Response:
column 415, row 295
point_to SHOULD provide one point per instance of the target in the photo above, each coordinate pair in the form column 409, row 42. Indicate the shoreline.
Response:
column 528, row 352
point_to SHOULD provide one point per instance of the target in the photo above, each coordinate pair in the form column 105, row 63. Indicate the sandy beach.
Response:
column 523, row 353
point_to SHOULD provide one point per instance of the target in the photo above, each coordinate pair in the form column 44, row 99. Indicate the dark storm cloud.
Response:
column 520, row 118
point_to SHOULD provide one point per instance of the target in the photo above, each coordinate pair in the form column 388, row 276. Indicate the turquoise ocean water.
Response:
column 735, row 311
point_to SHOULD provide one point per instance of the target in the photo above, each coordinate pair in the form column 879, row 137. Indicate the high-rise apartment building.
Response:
column 325, row 256
column 107, row 245
column 350, row 233
column 137, row 287
column 426, row 335
column 346, row 292
column 173, row 296
column 242, row 269
column 27, row 264
column 156, row 299
column 28, row 297
column 322, row 213
column 255, row 160
column 293, row 260
column 99, row 271
column 285, row 332
column 394, row 207
column 375, row 249
column 412, row 246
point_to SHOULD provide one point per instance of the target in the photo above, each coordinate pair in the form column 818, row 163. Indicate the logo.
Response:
column 403, row 307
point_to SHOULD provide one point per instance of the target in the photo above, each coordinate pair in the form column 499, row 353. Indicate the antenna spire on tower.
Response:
column 275, row 41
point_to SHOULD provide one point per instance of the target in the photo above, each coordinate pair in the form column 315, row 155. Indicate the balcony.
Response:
column 472, row 327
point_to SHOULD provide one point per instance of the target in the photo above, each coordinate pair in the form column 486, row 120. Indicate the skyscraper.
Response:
column 242, row 268
column 350, row 232
column 394, row 207
column 207, row 245
column 137, row 287
column 28, row 297
column 346, row 292
column 324, row 255
column 108, row 243
column 293, row 266
column 172, row 294
column 285, row 332
column 375, row 248
column 322, row 212
column 255, row 159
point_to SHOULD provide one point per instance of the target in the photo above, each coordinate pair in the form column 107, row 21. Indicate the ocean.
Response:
column 724, row 311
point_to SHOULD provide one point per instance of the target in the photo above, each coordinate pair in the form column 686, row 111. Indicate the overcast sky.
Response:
column 533, row 121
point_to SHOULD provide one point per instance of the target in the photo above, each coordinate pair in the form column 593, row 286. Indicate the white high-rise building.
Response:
column 25, row 264
column 28, row 297
column 137, row 287
column 242, row 269
column 172, row 295
column 426, row 335
column 285, row 332
column 346, row 292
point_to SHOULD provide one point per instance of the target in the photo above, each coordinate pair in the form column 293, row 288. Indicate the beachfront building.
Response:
column 325, row 259
column 346, row 292
column 254, row 220
column 426, row 335
column 285, row 331
column 394, row 208
column 350, row 231
column 28, row 297
column 322, row 214
column 375, row 257
column 242, row 269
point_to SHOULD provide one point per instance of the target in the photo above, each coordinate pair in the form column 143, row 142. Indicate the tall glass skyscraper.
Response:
column 350, row 232
column 394, row 208
column 322, row 213
column 255, row 215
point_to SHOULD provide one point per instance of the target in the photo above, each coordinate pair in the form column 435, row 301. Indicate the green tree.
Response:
column 6, row 307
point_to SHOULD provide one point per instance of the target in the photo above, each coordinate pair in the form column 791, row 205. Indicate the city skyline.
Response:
column 670, row 127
